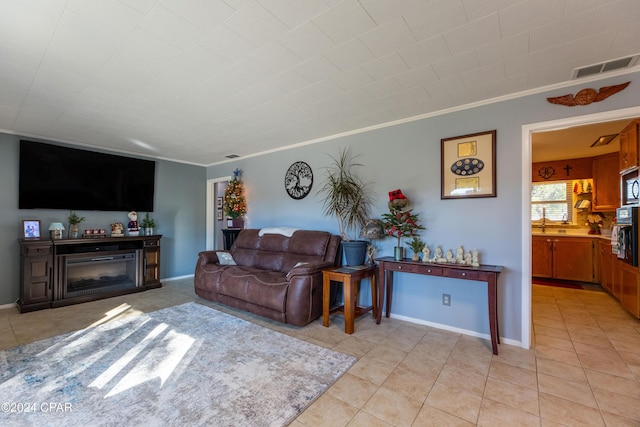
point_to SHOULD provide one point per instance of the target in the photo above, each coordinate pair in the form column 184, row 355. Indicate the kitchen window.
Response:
column 556, row 198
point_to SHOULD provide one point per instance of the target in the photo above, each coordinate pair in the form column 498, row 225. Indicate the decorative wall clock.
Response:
column 298, row 180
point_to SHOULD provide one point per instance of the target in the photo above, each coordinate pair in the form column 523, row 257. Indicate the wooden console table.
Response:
column 483, row 273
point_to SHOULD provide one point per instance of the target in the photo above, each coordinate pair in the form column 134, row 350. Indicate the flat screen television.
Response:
column 56, row 177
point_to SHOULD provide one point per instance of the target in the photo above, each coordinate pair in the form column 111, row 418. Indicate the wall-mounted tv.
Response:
column 56, row 177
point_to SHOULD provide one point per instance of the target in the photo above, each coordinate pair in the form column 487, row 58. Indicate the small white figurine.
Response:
column 426, row 254
column 460, row 255
column 474, row 260
column 438, row 257
column 449, row 256
column 468, row 258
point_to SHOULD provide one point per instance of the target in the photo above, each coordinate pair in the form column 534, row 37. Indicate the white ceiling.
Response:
column 196, row 80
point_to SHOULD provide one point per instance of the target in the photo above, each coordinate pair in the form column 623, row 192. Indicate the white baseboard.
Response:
column 171, row 279
column 8, row 305
column 456, row 330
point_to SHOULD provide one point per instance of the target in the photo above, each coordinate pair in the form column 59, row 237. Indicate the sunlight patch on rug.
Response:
column 183, row 365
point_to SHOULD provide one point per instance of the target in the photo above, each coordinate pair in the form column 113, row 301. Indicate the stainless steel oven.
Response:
column 626, row 236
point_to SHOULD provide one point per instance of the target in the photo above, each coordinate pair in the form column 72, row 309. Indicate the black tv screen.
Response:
column 56, row 177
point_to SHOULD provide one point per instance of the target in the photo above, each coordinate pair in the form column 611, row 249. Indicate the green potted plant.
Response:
column 148, row 224
column 74, row 220
column 349, row 200
column 400, row 221
column 417, row 245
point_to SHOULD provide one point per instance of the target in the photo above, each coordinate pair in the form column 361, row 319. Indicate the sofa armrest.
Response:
column 308, row 269
column 207, row 257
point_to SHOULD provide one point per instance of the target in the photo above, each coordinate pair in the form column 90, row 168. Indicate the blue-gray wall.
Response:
column 180, row 204
column 407, row 156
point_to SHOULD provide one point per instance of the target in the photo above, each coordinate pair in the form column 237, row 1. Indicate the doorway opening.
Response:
column 528, row 133
column 215, row 216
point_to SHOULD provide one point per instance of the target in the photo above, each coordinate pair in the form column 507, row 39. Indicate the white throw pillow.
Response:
column 225, row 258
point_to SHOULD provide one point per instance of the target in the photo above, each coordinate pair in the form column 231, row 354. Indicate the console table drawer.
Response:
column 464, row 274
column 414, row 268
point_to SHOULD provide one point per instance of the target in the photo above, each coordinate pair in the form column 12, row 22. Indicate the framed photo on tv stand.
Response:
column 31, row 228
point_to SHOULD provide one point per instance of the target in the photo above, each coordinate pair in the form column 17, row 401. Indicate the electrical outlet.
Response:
column 446, row 299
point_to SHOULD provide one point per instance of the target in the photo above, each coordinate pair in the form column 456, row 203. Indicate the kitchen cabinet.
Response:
column 606, row 261
column 541, row 256
column 566, row 258
column 606, row 183
column 629, row 146
column 629, row 282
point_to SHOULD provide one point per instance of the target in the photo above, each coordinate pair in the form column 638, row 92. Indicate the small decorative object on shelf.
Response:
column 132, row 226
column 56, row 229
column 594, row 222
column 234, row 204
column 400, row 221
column 31, row 228
column 74, row 220
column 416, row 245
column 148, row 224
column 470, row 258
column 373, row 229
column 92, row 233
column 117, row 229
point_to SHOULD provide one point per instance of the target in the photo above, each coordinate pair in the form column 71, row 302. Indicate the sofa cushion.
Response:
column 260, row 287
column 306, row 246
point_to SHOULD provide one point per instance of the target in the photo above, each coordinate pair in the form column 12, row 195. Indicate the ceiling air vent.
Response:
column 232, row 156
column 604, row 67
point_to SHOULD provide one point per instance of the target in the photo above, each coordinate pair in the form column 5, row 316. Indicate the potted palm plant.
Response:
column 349, row 200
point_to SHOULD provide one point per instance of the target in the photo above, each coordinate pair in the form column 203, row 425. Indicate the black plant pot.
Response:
column 355, row 251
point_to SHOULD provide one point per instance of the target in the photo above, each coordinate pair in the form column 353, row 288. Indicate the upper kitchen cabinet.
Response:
column 629, row 146
column 606, row 183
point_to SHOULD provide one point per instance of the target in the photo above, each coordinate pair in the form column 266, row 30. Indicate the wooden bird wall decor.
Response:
column 587, row 96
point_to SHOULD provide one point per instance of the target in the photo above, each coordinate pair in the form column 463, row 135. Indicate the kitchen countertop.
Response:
column 561, row 232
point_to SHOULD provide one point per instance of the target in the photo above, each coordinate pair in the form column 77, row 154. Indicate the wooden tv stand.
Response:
column 44, row 265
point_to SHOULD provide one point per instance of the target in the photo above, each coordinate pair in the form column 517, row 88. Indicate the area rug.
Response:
column 184, row 365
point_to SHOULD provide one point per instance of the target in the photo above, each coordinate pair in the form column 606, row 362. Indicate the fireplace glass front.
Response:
column 95, row 274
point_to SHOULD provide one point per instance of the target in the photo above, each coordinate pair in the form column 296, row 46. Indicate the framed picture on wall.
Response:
column 219, row 214
column 468, row 166
column 219, row 203
column 31, row 228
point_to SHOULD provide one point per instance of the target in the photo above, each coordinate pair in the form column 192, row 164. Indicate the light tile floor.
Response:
column 584, row 370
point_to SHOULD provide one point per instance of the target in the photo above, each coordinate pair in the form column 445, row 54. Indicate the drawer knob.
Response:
column 464, row 274
column 429, row 270
column 399, row 267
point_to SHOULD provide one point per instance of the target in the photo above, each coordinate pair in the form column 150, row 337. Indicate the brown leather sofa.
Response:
column 275, row 276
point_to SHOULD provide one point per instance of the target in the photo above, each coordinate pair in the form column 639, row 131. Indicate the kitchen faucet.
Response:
column 544, row 220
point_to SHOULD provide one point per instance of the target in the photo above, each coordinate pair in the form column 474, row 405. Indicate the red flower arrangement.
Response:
column 400, row 222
